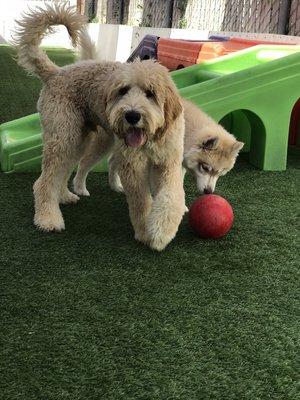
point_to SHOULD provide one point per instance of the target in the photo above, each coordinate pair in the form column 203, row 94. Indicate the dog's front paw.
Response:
column 163, row 222
column 141, row 236
column 49, row 221
column 159, row 235
column 159, row 243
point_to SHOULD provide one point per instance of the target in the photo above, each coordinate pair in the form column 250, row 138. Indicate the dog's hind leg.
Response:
column 62, row 142
column 98, row 145
column 66, row 196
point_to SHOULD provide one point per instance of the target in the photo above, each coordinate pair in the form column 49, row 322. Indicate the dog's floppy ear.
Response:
column 172, row 105
column 111, row 87
column 236, row 148
column 108, row 93
column 209, row 143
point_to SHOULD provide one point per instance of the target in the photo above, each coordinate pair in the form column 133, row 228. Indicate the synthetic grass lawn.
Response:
column 91, row 314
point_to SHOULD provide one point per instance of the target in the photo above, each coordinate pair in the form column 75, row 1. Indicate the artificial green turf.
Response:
column 91, row 314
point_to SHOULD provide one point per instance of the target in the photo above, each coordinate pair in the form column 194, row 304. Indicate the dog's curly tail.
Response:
column 36, row 24
column 88, row 49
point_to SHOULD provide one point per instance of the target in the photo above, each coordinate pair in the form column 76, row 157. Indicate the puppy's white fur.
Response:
column 209, row 150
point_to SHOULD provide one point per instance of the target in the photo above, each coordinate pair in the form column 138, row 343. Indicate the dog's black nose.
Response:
column 132, row 117
column 208, row 190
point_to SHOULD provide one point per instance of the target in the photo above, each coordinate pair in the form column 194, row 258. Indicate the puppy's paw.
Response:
column 117, row 188
column 115, row 183
column 80, row 188
column 49, row 221
column 68, row 198
column 82, row 192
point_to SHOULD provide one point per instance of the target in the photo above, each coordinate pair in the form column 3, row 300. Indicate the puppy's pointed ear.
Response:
column 237, row 147
column 209, row 143
column 172, row 106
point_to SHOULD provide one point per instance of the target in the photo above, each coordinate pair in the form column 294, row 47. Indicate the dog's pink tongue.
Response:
column 135, row 138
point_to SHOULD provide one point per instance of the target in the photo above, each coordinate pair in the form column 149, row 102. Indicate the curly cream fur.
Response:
column 83, row 97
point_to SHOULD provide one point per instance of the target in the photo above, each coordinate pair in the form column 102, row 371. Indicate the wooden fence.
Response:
column 268, row 16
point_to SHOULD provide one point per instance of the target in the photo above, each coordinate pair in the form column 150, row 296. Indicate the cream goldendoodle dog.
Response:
column 137, row 103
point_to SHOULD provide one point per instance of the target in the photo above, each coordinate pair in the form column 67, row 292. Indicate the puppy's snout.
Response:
column 208, row 190
column 132, row 117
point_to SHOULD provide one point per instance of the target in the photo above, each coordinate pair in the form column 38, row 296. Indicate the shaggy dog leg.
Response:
column 67, row 197
column 134, row 178
column 168, row 205
column 99, row 144
column 62, row 147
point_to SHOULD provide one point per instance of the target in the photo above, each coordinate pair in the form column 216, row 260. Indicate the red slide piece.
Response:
column 211, row 50
column 175, row 54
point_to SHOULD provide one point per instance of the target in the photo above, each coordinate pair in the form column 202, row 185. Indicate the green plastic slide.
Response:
column 21, row 146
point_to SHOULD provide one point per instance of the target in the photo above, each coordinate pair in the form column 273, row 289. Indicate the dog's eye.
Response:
column 123, row 90
column 204, row 167
column 149, row 94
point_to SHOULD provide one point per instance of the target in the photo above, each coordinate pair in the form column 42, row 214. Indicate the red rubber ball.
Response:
column 211, row 216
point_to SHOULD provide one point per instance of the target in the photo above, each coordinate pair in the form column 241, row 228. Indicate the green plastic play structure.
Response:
column 251, row 92
column 21, row 146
